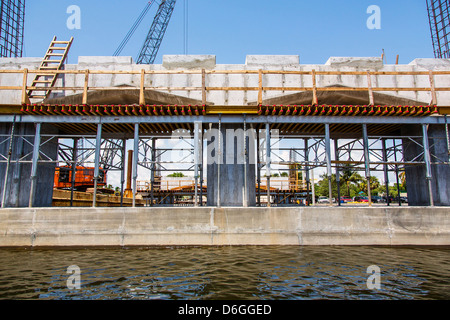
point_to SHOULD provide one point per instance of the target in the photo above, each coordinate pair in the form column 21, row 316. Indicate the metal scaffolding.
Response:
column 364, row 152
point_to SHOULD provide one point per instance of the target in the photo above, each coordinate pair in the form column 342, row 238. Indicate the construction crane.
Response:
column 156, row 33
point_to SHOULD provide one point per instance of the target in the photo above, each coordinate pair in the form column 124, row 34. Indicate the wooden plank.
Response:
column 25, row 98
column 433, row 89
column 369, row 84
column 315, row 100
column 203, row 87
column 260, row 88
column 85, row 88
column 142, row 89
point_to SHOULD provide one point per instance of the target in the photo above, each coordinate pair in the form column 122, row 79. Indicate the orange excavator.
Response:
column 84, row 178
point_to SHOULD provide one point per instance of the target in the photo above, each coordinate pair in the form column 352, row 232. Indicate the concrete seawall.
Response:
column 224, row 226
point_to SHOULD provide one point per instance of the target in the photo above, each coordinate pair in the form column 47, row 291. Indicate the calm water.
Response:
column 218, row 273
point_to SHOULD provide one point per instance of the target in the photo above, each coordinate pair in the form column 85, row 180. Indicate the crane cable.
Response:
column 133, row 28
column 186, row 25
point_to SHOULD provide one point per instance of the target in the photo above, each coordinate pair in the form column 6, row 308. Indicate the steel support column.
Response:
column 308, row 180
column 426, row 150
column 122, row 172
column 219, row 159
column 34, row 163
column 367, row 161
column 396, row 175
column 196, row 160
column 336, row 150
column 135, row 161
column 74, row 168
column 245, row 187
column 268, row 161
column 258, row 168
column 152, row 172
column 328, row 158
column 447, row 136
column 385, row 170
column 8, row 162
column 98, row 142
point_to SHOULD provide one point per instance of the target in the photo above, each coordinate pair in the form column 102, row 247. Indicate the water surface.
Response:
column 217, row 273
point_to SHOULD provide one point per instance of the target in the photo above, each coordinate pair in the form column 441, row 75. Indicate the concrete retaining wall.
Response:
column 224, row 226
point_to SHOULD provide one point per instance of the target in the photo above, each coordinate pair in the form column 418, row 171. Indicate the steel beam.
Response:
column 227, row 118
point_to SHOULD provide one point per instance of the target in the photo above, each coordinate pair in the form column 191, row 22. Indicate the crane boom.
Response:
column 156, row 33
column 133, row 28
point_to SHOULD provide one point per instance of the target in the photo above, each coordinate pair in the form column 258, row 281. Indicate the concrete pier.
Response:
column 231, row 166
column 210, row 226
column 18, row 184
column 416, row 176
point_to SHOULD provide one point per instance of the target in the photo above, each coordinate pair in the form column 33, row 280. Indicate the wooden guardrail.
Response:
column 370, row 89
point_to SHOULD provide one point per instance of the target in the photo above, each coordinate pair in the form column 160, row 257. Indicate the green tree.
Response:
column 176, row 175
column 374, row 185
column 350, row 179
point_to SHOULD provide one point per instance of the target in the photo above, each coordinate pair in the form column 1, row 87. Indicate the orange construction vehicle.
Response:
column 84, row 178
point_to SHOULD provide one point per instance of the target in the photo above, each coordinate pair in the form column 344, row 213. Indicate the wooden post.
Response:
column 433, row 90
column 142, row 89
column 203, row 87
column 85, row 90
column 25, row 98
column 260, row 88
column 315, row 100
column 369, row 84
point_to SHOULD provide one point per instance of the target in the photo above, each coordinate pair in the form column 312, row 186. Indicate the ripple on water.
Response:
column 226, row 273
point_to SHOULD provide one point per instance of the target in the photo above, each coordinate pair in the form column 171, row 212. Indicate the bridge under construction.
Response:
column 229, row 127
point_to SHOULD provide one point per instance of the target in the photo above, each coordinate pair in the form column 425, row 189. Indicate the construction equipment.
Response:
column 156, row 33
column 53, row 60
column 84, row 178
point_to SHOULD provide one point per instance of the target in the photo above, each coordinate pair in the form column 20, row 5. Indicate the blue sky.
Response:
column 232, row 29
